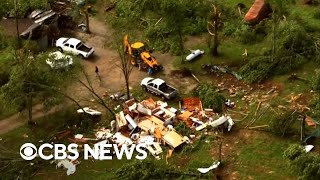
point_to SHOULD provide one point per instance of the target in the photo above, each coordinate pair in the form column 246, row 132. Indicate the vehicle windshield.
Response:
column 78, row 45
column 149, row 58
column 65, row 40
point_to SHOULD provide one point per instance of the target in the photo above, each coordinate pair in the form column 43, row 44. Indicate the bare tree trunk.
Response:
column 273, row 37
column 125, row 67
column 29, row 106
column 220, row 152
column 216, row 38
column 17, row 22
column 303, row 126
column 215, row 46
column 215, row 22
column 127, row 86
column 181, row 45
column 87, row 22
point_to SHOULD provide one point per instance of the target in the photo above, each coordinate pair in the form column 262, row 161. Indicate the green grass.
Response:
column 262, row 158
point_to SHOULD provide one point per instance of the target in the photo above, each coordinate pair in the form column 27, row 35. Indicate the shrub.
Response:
column 317, row 14
column 181, row 128
column 209, row 97
column 293, row 152
column 144, row 170
column 282, row 124
column 306, row 165
column 294, row 39
column 257, row 69
column 245, row 34
column 316, row 82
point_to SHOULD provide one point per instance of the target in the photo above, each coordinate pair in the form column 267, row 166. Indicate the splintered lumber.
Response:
column 185, row 117
column 158, row 21
column 258, row 107
column 238, row 112
column 255, row 127
column 194, row 76
column 260, row 115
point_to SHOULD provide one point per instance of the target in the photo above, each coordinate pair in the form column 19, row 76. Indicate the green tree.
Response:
column 163, row 22
column 32, row 81
column 173, row 13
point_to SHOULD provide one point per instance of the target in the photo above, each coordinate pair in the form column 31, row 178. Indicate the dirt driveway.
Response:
column 107, row 60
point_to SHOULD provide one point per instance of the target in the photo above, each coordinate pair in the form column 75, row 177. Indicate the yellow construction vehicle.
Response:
column 140, row 55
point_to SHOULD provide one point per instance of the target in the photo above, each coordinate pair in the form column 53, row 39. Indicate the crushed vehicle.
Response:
column 159, row 87
column 140, row 55
column 58, row 60
column 74, row 46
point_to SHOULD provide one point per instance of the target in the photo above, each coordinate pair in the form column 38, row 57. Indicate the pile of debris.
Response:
column 198, row 118
column 148, row 122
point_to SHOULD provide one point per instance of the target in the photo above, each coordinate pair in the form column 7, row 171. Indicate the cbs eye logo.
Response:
column 28, row 151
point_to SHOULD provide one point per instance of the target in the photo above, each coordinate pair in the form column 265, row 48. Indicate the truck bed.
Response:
column 166, row 89
column 84, row 48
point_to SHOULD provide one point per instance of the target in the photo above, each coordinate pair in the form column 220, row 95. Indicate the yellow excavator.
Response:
column 140, row 55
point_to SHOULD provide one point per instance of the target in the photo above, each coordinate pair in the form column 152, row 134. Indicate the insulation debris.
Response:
column 213, row 166
column 69, row 165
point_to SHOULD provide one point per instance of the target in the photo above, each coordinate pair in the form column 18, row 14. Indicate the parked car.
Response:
column 58, row 60
column 74, row 46
column 159, row 87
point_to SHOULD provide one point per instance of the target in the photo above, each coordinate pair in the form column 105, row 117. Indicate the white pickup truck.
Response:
column 159, row 87
column 74, row 46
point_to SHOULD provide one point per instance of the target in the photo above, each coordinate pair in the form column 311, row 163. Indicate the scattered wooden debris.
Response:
column 158, row 21
column 258, row 107
column 194, row 76
column 255, row 127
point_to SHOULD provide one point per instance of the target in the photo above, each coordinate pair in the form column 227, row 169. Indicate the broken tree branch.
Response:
column 194, row 76
column 238, row 112
column 258, row 107
column 255, row 127
column 158, row 21
column 209, row 23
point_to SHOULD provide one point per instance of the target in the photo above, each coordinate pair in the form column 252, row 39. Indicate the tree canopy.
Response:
column 162, row 21
column 31, row 80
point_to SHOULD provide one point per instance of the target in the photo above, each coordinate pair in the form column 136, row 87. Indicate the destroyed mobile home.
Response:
column 151, row 123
